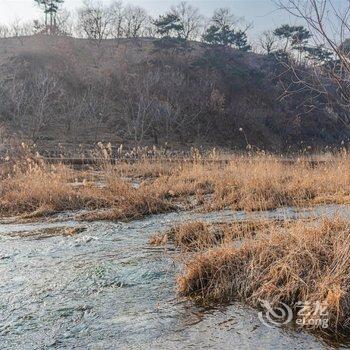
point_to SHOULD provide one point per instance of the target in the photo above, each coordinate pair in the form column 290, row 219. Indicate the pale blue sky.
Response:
column 261, row 12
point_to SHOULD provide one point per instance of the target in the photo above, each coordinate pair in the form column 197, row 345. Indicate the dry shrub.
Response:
column 158, row 240
column 238, row 230
column 300, row 263
column 128, row 203
column 187, row 180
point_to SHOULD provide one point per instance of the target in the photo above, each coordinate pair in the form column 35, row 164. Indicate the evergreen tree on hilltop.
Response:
column 169, row 28
column 50, row 9
column 222, row 32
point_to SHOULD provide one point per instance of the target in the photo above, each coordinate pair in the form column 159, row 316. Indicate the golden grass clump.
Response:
column 296, row 263
column 194, row 236
column 190, row 236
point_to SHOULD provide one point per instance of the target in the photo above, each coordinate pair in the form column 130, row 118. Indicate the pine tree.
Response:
column 295, row 36
column 169, row 28
column 224, row 36
column 50, row 8
column 168, row 25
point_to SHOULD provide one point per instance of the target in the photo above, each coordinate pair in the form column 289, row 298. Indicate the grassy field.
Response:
column 127, row 190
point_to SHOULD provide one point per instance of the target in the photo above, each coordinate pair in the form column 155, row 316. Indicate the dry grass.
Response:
column 247, row 183
column 42, row 190
column 146, row 168
column 290, row 263
column 194, row 236
column 260, row 183
column 200, row 236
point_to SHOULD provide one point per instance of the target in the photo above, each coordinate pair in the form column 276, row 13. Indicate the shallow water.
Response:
column 106, row 288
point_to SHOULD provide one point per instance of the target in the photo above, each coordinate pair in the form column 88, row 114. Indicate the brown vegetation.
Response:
column 42, row 190
column 200, row 236
column 193, row 236
column 290, row 264
column 247, row 183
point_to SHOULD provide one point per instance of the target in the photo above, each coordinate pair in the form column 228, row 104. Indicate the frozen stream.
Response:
column 106, row 288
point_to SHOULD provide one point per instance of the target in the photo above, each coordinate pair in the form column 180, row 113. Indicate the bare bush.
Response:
column 33, row 100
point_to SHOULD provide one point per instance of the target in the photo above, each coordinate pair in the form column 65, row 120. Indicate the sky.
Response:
column 262, row 13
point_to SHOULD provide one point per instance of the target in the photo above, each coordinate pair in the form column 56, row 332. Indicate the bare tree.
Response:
column 20, row 30
column 96, row 107
column 134, row 20
column 325, row 80
column 4, row 31
column 223, row 17
column 190, row 19
column 268, row 41
column 149, row 29
column 116, row 11
column 138, row 104
column 94, row 21
column 64, row 22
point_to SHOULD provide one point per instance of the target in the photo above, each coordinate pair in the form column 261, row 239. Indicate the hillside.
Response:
column 65, row 90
